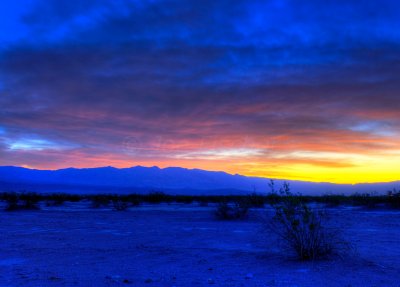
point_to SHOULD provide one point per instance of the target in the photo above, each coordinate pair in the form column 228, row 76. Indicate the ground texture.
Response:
column 183, row 245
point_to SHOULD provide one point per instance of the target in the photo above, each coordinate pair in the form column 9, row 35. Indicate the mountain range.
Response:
column 173, row 180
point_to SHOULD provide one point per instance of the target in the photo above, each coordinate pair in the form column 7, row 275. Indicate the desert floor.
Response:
column 183, row 245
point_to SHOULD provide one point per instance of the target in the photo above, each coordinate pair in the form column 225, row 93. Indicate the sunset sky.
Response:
column 291, row 89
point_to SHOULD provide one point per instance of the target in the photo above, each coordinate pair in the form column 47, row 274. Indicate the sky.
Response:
column 305, row 90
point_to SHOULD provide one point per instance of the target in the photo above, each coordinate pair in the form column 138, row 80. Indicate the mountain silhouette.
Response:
column 174, row 180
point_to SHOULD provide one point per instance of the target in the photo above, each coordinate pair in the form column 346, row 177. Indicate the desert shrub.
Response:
column 22, row 201
column 29, row 200
column 301, row 227
column 393, row 199
column 11, row 200
column 134, row 199
column 231, row 211
column 256, row 200
column 99, row 201
column 365, row 200
column 272, row 197
column 56, row 199
column 332, row 200
column 119, row 204
column 73, row 197
column 187, row 199
column 223, row 211
column 157, row 197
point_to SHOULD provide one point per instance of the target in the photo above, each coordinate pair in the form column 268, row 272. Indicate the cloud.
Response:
column 167, row 82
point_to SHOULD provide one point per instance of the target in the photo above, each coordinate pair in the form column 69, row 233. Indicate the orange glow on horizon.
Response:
column 337, row 156
column 356, row 169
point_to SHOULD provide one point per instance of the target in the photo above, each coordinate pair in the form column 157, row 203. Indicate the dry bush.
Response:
column 119, row 204
column 231, row 211
column 22, row 201
column 301, row 228
column 100, row 200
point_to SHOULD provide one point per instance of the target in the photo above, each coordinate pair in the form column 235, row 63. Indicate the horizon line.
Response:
column 217, row 171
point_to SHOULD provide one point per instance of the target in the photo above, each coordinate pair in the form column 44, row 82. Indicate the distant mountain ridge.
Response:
column 174, row 180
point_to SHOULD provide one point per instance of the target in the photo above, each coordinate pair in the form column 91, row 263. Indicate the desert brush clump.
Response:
column 56, row 199
column 226, row 210
column 256, row 200
column 301, row 227
column 120, row 203
column 186, row 199
column 333, row 200
column 21, row 201
column 365, row 200
column 100, row 201
column 156, row 197
column 134, row 199
column 393, row 199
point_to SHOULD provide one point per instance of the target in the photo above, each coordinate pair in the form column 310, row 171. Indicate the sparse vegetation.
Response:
column 187, row 199
column 21, row 201
column 133, row 199
column 232, row 210
column 56, row 199
column 333, row 200
column 301, row 227
column 29, row 200
column 256, row 200
column 120, row 204
column 100, row 201
column 365, row 200
column 157, row 197
column 393, row 199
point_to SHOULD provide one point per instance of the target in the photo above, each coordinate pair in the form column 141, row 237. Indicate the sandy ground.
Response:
column 185, row 246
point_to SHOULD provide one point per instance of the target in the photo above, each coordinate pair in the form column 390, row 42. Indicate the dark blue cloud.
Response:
column 193, row 69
